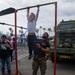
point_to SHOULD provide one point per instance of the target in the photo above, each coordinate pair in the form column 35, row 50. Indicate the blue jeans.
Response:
column 7, row 61
column 13, row 55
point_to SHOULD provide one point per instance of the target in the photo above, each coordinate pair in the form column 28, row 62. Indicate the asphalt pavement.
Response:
column 25, row 65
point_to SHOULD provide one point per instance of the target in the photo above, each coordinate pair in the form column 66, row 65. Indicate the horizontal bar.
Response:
column 36, row 6
column 12, row 25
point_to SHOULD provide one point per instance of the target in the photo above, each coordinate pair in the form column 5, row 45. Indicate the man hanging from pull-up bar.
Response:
column 31, row 26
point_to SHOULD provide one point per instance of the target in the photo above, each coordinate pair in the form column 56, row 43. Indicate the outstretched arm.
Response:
column 28, row 13
column 36, row 17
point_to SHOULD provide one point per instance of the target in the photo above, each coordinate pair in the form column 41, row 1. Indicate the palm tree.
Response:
column 40, row 29
column 21, row 35
column 21, row 31
column 11, row 31
column 37, row 30
column 44, row 29
column 7, row 33
column 49, row 29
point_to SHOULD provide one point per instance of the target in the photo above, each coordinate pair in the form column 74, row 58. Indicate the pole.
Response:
column 36, row 6
column 16, row 55
column 55, row 38
column 16, row 44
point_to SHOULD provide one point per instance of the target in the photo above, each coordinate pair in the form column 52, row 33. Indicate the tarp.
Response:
column 7, row 11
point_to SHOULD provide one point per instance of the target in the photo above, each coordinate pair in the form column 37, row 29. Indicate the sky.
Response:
column 65, row 11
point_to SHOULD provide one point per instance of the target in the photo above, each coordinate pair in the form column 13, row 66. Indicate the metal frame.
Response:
column 55, row 3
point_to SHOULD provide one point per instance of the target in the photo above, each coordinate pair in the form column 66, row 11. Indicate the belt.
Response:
column 42, row 58
column 31, row 33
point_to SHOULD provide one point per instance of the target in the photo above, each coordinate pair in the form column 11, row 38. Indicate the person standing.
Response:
column 31, row 26
column 5, row 54
column 11, row 50
column 39, row 59
column 13, row 53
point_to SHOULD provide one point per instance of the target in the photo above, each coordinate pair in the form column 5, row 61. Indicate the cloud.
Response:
column 71, row 1
column 67, row 9
column 46, row 18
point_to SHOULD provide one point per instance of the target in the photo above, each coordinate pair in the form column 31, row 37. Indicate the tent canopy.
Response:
column 7, row 11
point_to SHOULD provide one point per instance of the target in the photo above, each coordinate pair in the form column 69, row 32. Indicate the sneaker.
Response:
column 3, row 73
column 9, row 72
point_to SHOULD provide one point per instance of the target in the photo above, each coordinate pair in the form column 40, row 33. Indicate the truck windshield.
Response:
column 63, row 36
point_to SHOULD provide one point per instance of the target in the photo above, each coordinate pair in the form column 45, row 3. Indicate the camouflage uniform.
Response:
column 41, row 62
column 39, row 59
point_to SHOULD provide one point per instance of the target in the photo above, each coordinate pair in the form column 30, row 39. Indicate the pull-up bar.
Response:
column 36, row 6
column 55, row 3
column 13, row 10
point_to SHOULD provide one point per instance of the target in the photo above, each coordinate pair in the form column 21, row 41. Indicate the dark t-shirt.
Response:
column 4, row 50
column 43, row 44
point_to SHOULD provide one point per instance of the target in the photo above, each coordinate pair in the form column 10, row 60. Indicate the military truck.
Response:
column 65, row 48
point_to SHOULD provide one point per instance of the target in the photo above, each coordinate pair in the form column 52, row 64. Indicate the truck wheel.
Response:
column 52, row 57
column 57, row 59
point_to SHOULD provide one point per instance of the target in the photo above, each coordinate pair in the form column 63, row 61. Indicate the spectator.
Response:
column 5, row 54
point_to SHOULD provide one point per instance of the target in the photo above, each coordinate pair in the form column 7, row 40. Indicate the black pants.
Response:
column 11, row 54
column 31, row 43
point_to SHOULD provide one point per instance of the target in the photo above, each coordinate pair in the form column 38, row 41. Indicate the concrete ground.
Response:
column 25, row 65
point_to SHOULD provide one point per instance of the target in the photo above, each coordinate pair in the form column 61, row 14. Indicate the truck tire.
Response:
column 52, row 57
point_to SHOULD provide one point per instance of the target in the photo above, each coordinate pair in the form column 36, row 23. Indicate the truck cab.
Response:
column 65, row 48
